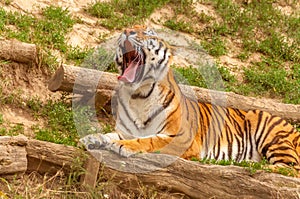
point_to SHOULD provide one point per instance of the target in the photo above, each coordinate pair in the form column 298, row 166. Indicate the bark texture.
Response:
column 17, row 51
column 179, row 177
column 101, row 85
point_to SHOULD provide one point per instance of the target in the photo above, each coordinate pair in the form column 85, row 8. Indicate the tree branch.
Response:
column 102, row 84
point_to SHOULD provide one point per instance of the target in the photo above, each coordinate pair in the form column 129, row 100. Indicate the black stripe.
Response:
column 238, row 155
column 186, row 108
column 296, row 140
column 163, row 59
column 283, row 155
column 266, row 147
column 239, row 113
column 125, row 109
column 259, row 120
column 270, row 128
column 160, row 45
column 229, row 141
column 200, row 120
column 169, row 98
column 146, row 75
column 195, row 109
column 287, row 163
column 236, row 125
column 170, row 115
column 261, row 133
column 282, row 148
column 218, row 119
column 122, row 123
column 245, row 141
column 285, row 123
column 207, row 113
column 152, row 116
column 218, row 151
column 274, row 124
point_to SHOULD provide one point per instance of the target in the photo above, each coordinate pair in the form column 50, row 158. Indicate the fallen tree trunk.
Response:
column 17, row 51
column 82, row 80
column 13, row 155
column 178, row 177
column 197, row 180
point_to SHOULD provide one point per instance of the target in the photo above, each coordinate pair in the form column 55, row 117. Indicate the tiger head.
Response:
column 142, row 56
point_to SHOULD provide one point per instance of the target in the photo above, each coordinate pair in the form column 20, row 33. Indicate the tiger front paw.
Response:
column 106, row 142
column 95, row 141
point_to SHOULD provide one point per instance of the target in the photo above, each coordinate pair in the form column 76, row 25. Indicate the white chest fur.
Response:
column 140, row 116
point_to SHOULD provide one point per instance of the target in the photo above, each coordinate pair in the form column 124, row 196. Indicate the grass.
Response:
column 272, row 81
column 101, row 60
column 250, row 166
column 48, row 31
column 60, row 127
column 256, row 27
column 77, row 54
column 61, row 185
column 117, row 14
column 217, row 77
column 12, row 130
column 58, row 185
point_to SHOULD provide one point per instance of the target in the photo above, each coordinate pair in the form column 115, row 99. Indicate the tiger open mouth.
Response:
column 131, row 65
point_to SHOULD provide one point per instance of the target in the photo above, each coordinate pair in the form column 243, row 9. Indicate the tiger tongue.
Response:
column 129, row 73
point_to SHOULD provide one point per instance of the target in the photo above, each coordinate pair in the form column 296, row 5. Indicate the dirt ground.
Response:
column 31, row 81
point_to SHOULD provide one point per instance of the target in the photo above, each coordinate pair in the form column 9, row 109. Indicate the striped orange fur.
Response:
column 153, row 115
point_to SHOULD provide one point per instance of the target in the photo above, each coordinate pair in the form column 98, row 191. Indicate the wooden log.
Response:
column 46, row 157
column 13, row 155
column 17, row 51
column 195, row 180
column 178, row 177
column 89, row 178
column 82, row 80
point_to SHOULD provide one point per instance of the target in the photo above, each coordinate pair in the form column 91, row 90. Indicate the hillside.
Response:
column 254, row 45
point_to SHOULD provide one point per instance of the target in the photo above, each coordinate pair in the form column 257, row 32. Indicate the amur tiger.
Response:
column 153, row 115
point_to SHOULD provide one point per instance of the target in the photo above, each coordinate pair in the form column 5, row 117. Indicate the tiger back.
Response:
column 152, row 114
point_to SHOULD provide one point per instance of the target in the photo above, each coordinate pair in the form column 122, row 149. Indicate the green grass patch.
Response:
column 187, row 23
column 64, row 122
column 48, row 31
column 251, row 166
column 179, row 25
column 215, row 46
column 260, row 26
column 12, row 130
column 212, row 77
column 77, row 55
column 119, row 14
column 1, row 119
column 100, row 59
column 60, row 127
column 268, row 78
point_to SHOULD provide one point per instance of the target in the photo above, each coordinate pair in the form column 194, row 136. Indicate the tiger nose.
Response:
column 129, row 31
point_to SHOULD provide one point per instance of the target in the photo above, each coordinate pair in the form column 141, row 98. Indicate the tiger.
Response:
column 153, row 115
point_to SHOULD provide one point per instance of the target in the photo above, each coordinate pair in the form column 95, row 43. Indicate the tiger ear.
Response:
column 140, row 27
column 173, row 48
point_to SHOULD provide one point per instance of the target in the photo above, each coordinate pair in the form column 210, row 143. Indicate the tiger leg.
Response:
column 283, row 158
column 125, row 148
column 139, row 145
column 275, row 139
